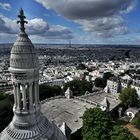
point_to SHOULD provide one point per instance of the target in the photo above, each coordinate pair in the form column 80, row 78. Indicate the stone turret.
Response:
column 28, row 122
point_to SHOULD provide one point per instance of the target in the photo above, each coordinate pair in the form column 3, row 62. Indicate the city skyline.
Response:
column 83, row 22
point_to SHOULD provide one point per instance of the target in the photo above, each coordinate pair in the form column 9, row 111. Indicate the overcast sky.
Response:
column 82, row 21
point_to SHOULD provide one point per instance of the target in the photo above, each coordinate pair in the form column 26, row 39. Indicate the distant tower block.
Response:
column 28, row 122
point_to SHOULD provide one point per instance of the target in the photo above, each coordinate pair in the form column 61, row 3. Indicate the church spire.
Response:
column 22, row 20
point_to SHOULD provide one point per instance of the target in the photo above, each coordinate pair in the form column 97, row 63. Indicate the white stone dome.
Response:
column 23, row 53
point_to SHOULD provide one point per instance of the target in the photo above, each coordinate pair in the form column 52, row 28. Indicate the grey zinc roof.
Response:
column 65, row 110
column 105, row 102
column 70, row 111
column 99, row 97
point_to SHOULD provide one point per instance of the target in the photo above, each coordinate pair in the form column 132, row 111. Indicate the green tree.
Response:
column 46, row 91
column 107, row 75
column 100, row 82
column 81, row 66
column 129, row 97
column 96, row 125
column 136, row 121
column 79, row 87
column 120, row 133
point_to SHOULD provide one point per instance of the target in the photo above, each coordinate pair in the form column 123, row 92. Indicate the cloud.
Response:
column 88, row 9
column 59, row 32
column 105, row 27
column 8, row 25
column 35, row 27
column 104, row 17
column 3, row 28
column 5, row 6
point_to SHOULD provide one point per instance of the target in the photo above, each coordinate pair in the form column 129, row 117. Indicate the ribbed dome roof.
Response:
column 43, row 131
column 23, row 54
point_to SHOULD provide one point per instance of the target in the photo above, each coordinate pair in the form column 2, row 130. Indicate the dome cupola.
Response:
column 23, row 53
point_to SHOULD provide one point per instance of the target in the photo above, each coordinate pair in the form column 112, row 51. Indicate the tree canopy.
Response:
column 107, row 75
column 79, row 87
column 120, row 133
column 81, row 66
column 46, row 91
column 129, row 97
column 100, row 82
column 136, row 121
column 96, row 125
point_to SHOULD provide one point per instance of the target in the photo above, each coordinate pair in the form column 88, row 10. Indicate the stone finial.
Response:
column 22, row 21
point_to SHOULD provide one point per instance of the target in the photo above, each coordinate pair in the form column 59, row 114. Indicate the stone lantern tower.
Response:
column 28, row 122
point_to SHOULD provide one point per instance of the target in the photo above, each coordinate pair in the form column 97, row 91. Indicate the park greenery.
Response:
column 129, row 97
column 46, row 91
column 97, row 125
column 121, row 133
column 79, row 87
